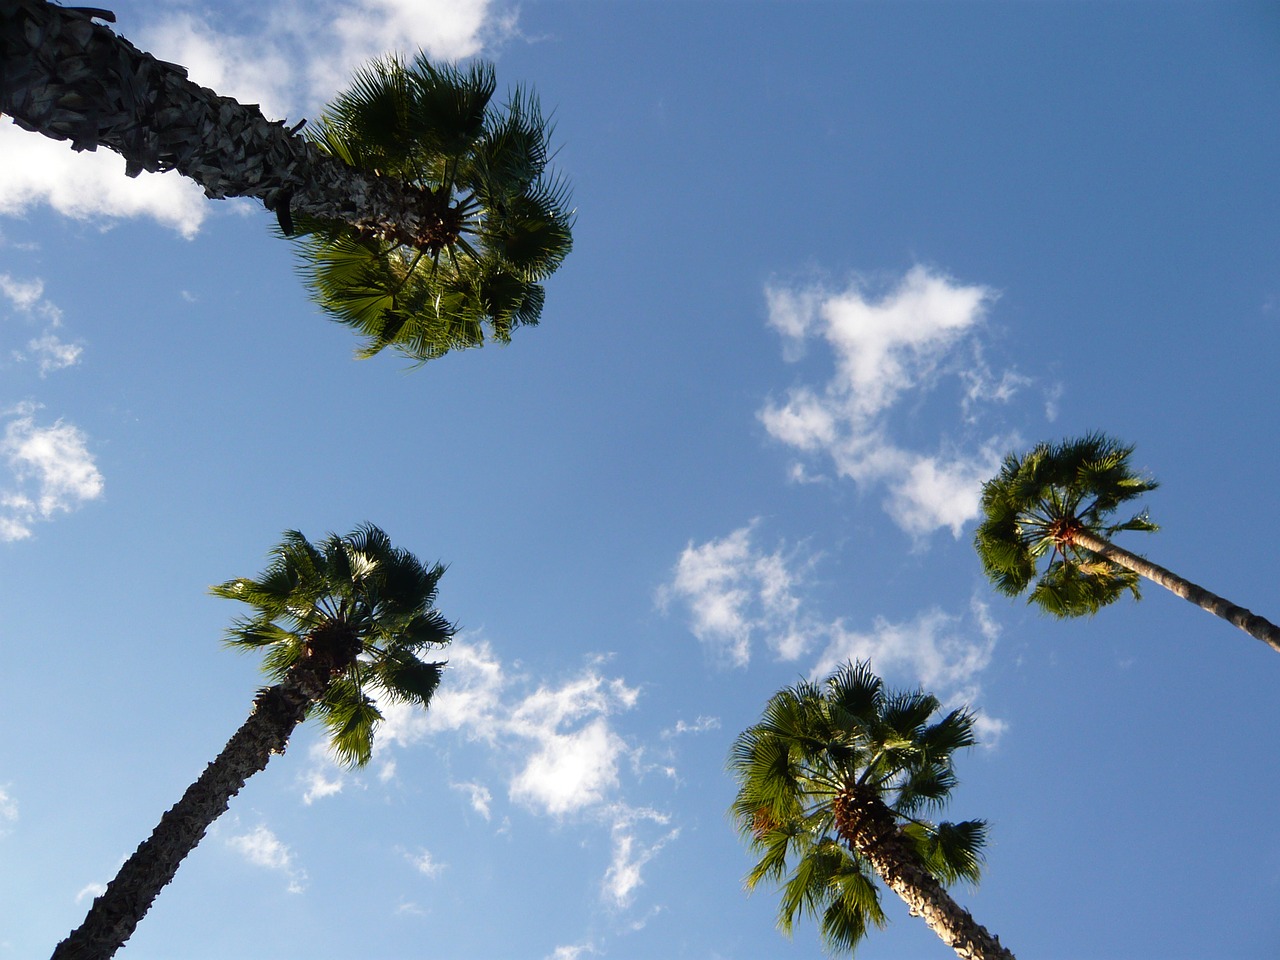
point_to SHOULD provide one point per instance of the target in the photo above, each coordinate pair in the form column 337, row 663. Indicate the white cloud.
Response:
column 631, row 853
column 734, row 591
column 700, row 725
column 262, row 848
column 573, row 951
column 424, row 863
column 51, row 468
column 325, row 778
column 564, row 755
column 478, row 796
column 934, row 649
column 53, row 353
column 571, row 770
column 50, row 350
column 90, row 891
column 943, row 653
column 8, row 811
column 884, row 350
column 23, row 294
column 289, row 58
column 89, row 186
column 570, row 751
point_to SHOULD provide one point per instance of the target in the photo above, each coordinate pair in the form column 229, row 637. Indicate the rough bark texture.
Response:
column 868, row 826
column 114, row 915
column 1257, row 627
column 69, row 78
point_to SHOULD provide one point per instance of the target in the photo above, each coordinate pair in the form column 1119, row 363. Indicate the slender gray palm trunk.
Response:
column 116, row 913
column 869, row 828
column 69, row 78
column 1257, row 627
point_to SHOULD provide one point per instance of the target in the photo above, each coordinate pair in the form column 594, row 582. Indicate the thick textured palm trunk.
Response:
column 1257, row 627
column 868, row 827
column 114, row 915
column 69, row 78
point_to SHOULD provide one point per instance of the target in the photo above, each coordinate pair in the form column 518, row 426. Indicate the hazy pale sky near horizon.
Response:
column 832, row 262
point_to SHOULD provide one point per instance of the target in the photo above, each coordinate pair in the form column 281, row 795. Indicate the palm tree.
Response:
column 334, row 621
column 499, row 222
column 430, row 216
column 1054, row 504
column 832, row 785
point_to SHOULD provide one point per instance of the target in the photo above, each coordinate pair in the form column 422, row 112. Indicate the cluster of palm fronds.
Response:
column 495, row 222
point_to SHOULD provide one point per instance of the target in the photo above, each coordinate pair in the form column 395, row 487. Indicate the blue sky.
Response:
column 831, row 263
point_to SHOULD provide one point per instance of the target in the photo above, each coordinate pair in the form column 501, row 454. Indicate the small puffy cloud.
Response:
column 23, row 294
column 51, row 471
column 477, row 795
column 289, row 58
column 262, row 848
column 884, row 350
column 733, row 592
column 425, row 863
column 571, row 770
column 324, row 778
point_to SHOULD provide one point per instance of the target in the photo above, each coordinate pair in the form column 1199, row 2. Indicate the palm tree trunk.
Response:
column 114, row 915
column 1257, row 627
column 868, row 827
column 69, row 78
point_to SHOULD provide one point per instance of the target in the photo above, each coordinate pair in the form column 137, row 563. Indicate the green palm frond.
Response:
column 503, row 220
column 1031, row 509
column 816, row 743
column 950, row 851
column 350, row 716
column 377, row 599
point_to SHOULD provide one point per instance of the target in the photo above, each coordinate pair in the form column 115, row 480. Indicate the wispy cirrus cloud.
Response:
column 886, row 349
column 289, row 58
column 49, row 350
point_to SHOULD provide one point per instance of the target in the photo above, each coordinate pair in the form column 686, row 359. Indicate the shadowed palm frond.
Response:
column 495, row 222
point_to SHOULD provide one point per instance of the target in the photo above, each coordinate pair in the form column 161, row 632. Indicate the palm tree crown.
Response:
column 335, row 620
column 353, row 612
column 1040, row 503
column 493, row 224
column 834, row 784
